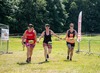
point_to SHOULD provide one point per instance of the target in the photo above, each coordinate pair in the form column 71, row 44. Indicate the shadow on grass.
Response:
column 69, row 61
column 43, row 62
column 22, row 63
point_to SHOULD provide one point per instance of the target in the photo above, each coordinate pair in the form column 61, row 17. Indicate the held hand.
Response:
column 78, row 40
column 37, row 40
column 60, row 38
column 64, row 39
column 24, row 40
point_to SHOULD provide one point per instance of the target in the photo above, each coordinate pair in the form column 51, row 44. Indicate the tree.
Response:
column 31, row 11
column 57, row 14
column 90, row 19
column 5, row 11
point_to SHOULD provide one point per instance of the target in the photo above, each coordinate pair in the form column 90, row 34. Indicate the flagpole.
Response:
column 79, row 30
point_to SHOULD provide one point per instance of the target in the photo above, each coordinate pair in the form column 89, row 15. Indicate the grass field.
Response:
column 81, row 63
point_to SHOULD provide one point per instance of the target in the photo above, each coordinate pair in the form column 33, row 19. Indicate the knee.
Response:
column 72, row 52
column 45, row 49
column 49, row 52
column 69, row 50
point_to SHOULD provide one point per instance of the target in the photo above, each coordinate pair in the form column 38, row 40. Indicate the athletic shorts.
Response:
column 48, row 45
column 30, row 45
column 70, row 44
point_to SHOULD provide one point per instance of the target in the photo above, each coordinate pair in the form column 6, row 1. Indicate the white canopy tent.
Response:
column 4, row 38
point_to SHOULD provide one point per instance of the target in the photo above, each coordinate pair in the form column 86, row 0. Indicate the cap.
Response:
column 30, row 25
column 47, row 25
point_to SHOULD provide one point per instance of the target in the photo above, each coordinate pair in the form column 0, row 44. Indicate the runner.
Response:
column 47, row 42
column 30, row 41
column 70, row 41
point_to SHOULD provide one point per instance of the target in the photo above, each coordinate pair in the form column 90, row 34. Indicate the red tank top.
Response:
column 30, row 36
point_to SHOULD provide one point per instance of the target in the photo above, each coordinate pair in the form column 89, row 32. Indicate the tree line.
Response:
column 58, row 13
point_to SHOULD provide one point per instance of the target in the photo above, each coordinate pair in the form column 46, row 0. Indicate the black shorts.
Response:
column 72, row 44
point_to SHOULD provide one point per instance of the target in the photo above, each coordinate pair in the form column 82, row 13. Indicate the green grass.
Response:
column 15, row 63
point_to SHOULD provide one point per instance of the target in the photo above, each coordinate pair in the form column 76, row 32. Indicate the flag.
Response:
column 79, row 25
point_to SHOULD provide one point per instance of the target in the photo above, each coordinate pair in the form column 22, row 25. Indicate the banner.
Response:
column 79, row 25
column 4, row 34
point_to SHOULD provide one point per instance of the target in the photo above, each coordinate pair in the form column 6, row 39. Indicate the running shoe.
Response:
column 46, row 60
column 29, row 59
column 70, row 59
column 47, row 56
column 67, row 57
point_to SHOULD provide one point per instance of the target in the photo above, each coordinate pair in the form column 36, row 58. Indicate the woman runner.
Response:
column 47, row 42
column 70, row 41
column 30, row 41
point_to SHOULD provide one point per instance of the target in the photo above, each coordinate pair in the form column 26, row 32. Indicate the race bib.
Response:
column 50, row 43
column 71, row 39
column 31, row 41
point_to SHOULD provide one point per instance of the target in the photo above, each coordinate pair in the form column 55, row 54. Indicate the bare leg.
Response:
column 49, row 51
column 31, row 51
column 23, row 47
column 45, row 52
column 69, row 49
column 71, row 54
column 28, row 54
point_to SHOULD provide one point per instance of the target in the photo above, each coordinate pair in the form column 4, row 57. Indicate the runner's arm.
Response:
column 35, row 35
column 76, row 34
column 55, row 34
column 40, row 36
column 24, row 35
column 66, row 35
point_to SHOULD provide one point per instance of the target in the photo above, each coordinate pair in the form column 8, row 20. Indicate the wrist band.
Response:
column 24, row 42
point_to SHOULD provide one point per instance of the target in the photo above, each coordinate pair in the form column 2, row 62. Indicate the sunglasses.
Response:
column 46, row 26
column 71, row 26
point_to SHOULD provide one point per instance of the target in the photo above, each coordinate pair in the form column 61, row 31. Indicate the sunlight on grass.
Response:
column 82, row 63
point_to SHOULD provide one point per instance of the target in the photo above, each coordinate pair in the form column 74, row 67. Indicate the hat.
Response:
column 30, row 25
column 47, row 25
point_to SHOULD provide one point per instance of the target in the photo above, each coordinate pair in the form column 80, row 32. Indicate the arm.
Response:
column 77, row 36
column 66, row 35
column 35, row 35
column 76, row 33
column 24, row 36
column 55, row 34
column 40, row 37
